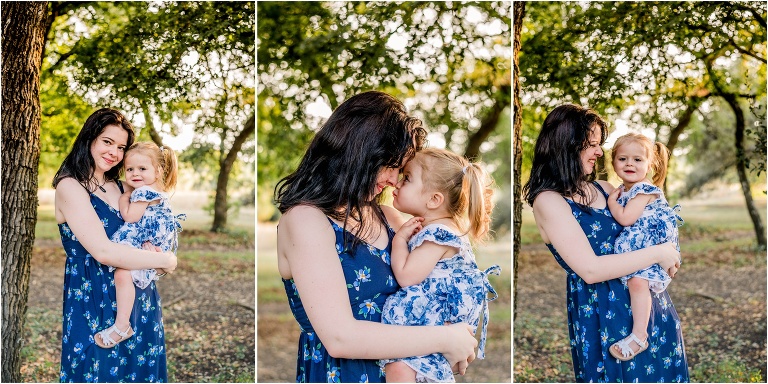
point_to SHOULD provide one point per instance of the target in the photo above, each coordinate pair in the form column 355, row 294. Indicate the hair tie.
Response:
column 464, row 170
column 161, row 148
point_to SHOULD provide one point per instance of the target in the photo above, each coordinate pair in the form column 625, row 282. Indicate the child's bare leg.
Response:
column 640, row 299
column 399, row 372
column 125, row 294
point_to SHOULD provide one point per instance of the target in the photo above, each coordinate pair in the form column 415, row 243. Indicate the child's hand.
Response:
column 410, row 228
column 614, row 195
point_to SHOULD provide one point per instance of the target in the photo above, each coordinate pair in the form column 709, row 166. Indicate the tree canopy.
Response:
column 449, row 62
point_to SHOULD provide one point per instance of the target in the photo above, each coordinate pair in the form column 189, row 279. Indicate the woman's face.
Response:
column 108, row 148
column 387, row 177
column 593, row 151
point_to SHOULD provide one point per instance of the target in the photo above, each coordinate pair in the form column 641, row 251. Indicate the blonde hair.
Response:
column 467, row 188
column 164, row 160
column 657, row 153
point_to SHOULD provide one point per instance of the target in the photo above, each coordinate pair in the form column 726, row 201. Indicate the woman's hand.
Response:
column 460, row 348
column 670, row 257
column 172, row 260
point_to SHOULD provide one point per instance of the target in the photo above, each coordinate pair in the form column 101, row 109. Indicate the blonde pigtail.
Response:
column 478, row 193
column 170, row 167
column 659, row 165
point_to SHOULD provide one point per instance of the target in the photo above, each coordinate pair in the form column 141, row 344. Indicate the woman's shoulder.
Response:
column 303, row 215
column 607, row 187
column 547, row 198
column 69, row 186
column 394, row 218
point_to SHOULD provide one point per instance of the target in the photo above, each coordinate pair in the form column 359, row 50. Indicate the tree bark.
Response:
column 741, row 169
column 517, row 141
column 225, row 167
column 24, row 28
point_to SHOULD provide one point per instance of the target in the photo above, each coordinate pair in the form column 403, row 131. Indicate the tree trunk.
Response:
column 24, row 27
column 490, row 121
column 150, row 124
column 517, row 209
column 741, row 169
column 225, row 167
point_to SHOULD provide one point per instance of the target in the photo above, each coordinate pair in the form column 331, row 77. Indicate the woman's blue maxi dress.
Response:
column 599, row 315
column 370, row 281
column 90, row 306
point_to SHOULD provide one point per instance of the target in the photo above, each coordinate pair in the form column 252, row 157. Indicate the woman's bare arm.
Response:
column 74, row 205
column 306, row 248
column 558, row 227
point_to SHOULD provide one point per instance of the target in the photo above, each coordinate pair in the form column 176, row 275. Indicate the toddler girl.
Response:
column 640, row 206
column 151, row 171
column 432, row 258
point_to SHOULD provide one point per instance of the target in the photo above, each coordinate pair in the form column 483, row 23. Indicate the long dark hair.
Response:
column 79, row 163
column 366, row 133
column 557, row 155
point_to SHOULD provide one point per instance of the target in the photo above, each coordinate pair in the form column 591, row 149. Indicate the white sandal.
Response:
column 622, row 351
column 104, row 339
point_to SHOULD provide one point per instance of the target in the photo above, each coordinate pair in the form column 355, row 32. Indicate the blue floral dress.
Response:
column 90, row 306
column 599, row 315
column 456, row 291
column 370, row 281
column 656, row 225
column 157, row 225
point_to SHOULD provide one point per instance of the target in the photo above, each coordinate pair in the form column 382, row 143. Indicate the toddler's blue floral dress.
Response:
column 455, row 291
column 370, row 281
column 599, row 315
column 656, row 225
column 158, row 226
column 90, row 306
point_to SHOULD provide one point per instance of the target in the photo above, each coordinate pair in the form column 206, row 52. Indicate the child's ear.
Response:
column 435, row 200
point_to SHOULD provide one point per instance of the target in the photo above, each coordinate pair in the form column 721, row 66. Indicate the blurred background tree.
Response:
column 449, row 62
column 688, row 74
column 167, row 66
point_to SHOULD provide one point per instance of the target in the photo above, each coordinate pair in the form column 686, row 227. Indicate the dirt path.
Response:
column 722, row 310
column 208, row 316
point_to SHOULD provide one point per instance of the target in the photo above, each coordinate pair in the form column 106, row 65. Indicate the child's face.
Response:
column 409, row 195
column 631, row 163
column 139, row 170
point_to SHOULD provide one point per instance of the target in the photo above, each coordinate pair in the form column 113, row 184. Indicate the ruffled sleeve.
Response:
column 442, row 235
column 146, row 193
column 640, row 188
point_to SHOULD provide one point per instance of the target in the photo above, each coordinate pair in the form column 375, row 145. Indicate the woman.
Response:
column 86, row 208
column 574, row 221
column 334, row 241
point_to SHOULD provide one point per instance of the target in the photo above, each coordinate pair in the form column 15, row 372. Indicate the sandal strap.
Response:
column 626, row 350
column 105, row 335
column 637, row 340
column 121, row 334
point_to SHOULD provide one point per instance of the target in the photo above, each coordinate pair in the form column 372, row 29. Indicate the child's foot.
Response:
column 626, row 348
column 112, row 336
